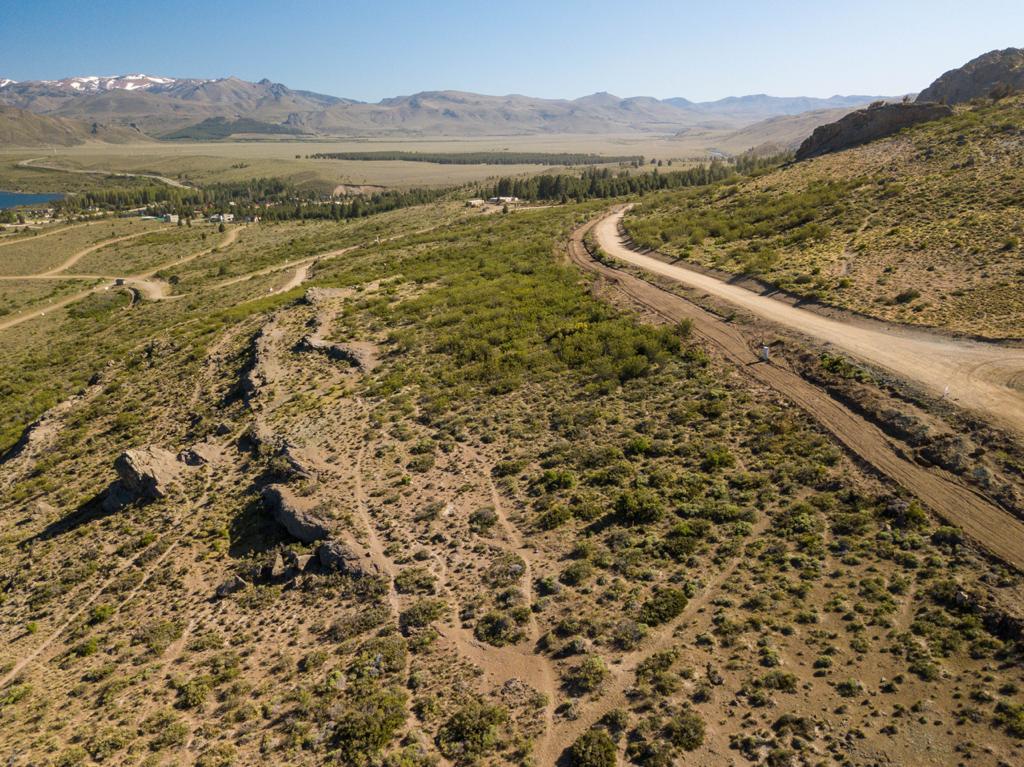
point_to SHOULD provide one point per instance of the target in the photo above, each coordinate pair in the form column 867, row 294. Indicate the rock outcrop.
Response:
column 143, row 474
column 349, row 558
column 353, row 355
column 864, row 125
column 993, row 74
column 296, row 514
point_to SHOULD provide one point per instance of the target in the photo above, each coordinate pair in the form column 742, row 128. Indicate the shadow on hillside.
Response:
column 253, row 531
column 90, row 511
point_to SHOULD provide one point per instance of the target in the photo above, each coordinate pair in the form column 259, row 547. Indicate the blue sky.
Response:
column 370, row 50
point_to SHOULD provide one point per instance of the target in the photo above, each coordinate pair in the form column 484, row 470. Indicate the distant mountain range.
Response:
column 166, row 107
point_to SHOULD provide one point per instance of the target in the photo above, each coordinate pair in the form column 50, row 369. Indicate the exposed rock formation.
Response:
column 144, row 473
column 231, row 585
column 354, row 355
column 866, row 125
column 348, row 558
column 996, row 73
column 295, row 514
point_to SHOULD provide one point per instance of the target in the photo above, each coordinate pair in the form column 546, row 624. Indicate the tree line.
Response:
column 599, row 183
column 485, row 158
column 268, row 198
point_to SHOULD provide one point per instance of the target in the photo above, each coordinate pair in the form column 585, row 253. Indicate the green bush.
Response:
column 587, row 676
column 639, row 507
column 500, row 629
column 664, row 605
column 594, row 748
column 422, row 613
column 367, row 724
column 685, row 730
column 471, row 732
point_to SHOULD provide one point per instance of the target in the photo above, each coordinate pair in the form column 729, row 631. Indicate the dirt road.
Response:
column 985, row 378
column 147, row 284
column 34, row 163
column 993, row 528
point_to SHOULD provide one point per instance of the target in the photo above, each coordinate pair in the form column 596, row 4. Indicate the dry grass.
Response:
column 922, row 228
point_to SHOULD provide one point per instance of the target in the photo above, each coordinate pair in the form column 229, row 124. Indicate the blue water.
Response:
column 14, row 199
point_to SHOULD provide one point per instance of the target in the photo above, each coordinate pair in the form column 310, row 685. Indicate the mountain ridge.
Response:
column 163, row 106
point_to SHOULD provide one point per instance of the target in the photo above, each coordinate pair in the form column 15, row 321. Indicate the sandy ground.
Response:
column 985, row 378
column 994, row 528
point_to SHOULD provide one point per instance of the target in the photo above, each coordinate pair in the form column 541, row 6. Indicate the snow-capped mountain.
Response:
column 117, row 82
column 101, row 83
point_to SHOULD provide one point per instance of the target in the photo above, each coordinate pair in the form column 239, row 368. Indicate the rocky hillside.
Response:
column 864, row 125
column 922, row 227
column 19, row 127
column 996, row 73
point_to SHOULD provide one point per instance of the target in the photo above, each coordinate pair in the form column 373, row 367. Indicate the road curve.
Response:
column 33, row 163
column 992, row 527
column 982, row 377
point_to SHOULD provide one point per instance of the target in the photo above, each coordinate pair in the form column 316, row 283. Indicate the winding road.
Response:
column 34, row 163
column 987, row 378
column 992, row 527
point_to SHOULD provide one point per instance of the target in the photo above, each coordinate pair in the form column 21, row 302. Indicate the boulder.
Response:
column 147, row 471
column 277, row 569
column 231, row 585
column 295, row 514
column 143, row 474
column 199, row 454
column 298, row 562
column 864, row 125
column 348, row 558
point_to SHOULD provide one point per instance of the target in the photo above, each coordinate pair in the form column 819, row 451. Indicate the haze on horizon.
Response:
column 369, row 51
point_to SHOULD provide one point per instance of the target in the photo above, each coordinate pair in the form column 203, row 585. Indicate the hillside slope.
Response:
column 992, row 73
column 923, row 227
column 19, row 127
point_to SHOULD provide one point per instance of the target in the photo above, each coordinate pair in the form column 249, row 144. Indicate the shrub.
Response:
column 638, row 507
column 1011, row 718
column 482, row 520
column 554, row 516
column 848, row 688
column 948, row 536
column 577, row 573
column 664, row 605
column 594, row 748
column 415, row 580
column 471, row 732
column 685, row 730
column 193, row 693
column 367, row 724
column 587, row 676
column 422, row 613
column 499, row 629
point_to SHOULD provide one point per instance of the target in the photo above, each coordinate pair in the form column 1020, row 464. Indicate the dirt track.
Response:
column 985, row 378
column 992, row 527
column 32, row 163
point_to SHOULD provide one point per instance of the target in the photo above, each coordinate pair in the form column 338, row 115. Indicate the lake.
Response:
column 14, row 199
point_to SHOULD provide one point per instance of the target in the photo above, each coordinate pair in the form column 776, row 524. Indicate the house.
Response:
column 475, row 203
column 222, row 218
column 170, row 218
column 502, row 200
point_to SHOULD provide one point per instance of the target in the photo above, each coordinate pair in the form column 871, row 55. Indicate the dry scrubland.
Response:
column 228, row 161
column 922, row 228
column 581, row 532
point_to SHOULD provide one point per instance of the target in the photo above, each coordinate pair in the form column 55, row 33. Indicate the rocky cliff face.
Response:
column 866, row 125
column 996, row 73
